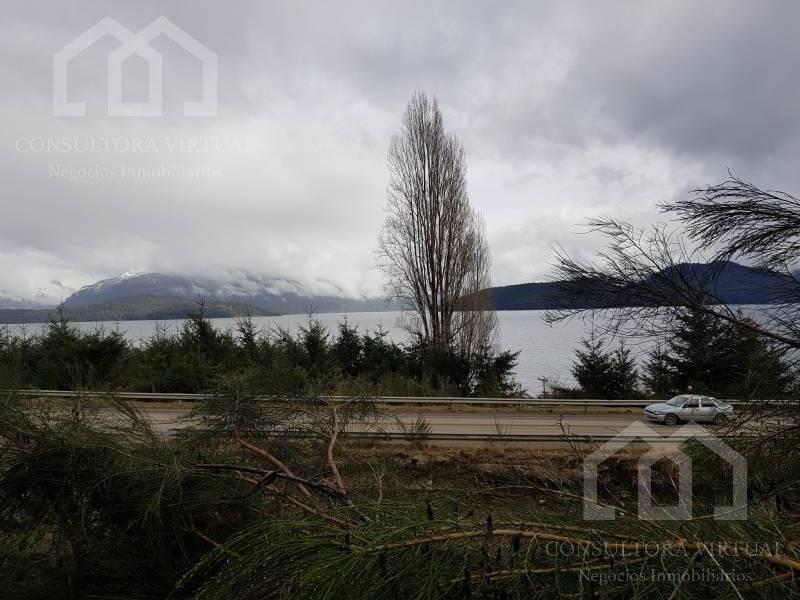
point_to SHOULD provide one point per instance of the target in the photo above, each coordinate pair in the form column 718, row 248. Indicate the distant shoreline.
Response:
column 26, row 316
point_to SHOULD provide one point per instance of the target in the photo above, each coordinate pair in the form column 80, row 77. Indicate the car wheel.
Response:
column 670, row 419
column 720, row 419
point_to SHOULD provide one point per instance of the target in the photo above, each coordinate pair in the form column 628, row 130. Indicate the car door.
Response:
column 687, row 412
column 706, row 410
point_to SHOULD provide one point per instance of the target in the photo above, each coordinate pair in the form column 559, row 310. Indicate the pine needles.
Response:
column 93, row 506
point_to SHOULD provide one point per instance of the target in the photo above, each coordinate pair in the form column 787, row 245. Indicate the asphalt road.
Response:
column 486, row 423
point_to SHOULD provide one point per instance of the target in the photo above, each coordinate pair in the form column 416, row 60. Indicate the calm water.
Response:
column 545, row 350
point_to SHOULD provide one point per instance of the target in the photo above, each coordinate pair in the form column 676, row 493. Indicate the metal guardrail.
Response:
column 441, row 400
column 518, row 402
column 142, row 396
column 590, row 439
column 511, row 437
column 384, row 436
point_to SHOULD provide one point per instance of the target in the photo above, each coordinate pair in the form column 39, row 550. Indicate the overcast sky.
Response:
column 567, row 110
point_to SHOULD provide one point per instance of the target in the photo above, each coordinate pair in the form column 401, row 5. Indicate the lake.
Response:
column 545, row 350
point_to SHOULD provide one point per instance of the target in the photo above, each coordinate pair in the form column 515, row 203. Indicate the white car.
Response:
column 690, row 407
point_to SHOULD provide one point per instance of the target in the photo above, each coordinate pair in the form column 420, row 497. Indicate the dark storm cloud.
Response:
column 702, row 78
column 567, row 110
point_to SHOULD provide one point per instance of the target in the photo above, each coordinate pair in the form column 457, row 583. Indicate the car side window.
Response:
column 692, row 404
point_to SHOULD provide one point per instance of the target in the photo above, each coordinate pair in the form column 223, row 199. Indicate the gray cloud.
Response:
column 567, row 110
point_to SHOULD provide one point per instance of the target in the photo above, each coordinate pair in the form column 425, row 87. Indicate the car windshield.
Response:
column 677, row 400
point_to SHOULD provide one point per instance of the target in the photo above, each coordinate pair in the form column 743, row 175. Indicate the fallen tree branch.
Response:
column 320, row 487
column 271, row 458
column 331, row 445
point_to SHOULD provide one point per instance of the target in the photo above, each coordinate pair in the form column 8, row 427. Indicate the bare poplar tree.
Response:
column 433, row 247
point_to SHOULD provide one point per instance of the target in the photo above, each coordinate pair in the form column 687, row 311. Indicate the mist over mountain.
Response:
column 274, row 295
column 17, row 304
column 158, row 296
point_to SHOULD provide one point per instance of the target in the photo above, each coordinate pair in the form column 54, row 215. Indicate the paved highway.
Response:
column 483, row 423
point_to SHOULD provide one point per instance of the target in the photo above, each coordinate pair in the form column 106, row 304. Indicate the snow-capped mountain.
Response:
column 277, row 295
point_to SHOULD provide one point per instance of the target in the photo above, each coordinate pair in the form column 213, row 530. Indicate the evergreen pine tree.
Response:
column 625, row 377
column 593, row 368
column 348, row 349
column 659, row 375
column 716, row 357
column 605, row 374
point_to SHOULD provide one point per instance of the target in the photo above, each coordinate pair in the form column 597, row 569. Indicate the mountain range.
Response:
column 158, row 296
column 730, row 282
